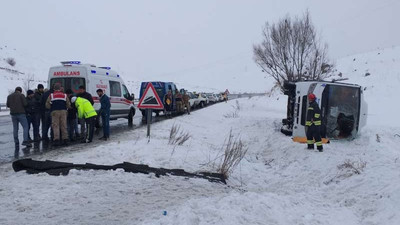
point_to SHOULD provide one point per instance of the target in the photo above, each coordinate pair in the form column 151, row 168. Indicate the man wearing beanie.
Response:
column 46, row 116
column 38, row 97
column 17, row 102
column 32, row 115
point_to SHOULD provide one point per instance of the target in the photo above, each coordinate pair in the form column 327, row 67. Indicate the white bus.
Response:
column 343, row 109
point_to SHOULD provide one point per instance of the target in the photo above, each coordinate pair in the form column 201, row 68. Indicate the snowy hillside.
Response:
column 27, row 67
column 379, row 73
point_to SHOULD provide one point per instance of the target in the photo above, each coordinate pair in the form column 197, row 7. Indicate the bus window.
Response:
column 342, row 111
column 115, row 89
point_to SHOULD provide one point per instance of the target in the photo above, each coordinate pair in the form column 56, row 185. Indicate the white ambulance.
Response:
column 72, row 74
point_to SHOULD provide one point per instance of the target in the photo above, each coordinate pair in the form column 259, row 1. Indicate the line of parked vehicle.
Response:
column 196, row 100
column 199, row 100
column 73, row 74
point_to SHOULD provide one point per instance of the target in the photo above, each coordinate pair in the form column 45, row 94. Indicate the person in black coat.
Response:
column 104, row 113
column 33, row 115
column 46, row 116
column 38, row 98
column 313, row 124
column 86, row 95
column 72, row 119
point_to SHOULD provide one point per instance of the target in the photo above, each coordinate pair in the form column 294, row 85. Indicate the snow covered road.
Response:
column 278, row 182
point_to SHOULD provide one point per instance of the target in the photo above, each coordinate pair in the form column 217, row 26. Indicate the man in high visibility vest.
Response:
column 313, row 124
column 86, row 111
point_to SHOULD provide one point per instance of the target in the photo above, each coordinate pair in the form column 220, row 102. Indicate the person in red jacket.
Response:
column 58, row 103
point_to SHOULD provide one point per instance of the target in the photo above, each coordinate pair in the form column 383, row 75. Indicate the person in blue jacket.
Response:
column 104, row 113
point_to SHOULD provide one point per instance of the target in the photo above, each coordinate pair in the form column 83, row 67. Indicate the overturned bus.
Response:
column 343, row 109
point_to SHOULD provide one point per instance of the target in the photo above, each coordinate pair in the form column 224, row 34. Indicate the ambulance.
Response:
column 72, row 74
column 343, row 109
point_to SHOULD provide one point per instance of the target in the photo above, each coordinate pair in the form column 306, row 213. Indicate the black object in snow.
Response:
column 62, row 168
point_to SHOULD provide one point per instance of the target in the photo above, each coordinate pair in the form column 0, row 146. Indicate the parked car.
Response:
column 204, row 101
column 220, row 97
column 72, row 74
column 193, row 101
column 212, row 98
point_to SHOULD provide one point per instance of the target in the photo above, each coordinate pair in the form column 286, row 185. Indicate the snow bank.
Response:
column 278, row 182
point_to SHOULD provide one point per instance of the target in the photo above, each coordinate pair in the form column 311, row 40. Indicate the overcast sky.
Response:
column 179, row 36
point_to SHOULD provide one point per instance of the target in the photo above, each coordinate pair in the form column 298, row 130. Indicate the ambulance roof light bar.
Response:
column 71, row 62
column 105, row 67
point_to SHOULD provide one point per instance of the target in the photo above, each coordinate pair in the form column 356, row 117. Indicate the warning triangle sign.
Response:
column 150, row 99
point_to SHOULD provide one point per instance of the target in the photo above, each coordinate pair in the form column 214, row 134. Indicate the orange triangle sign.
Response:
column 150, row 99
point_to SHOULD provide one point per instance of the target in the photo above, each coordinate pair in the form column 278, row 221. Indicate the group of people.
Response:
column 181, row 99
column 59, row 112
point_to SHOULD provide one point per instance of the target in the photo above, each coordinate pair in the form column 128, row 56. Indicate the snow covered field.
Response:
column 278, row 182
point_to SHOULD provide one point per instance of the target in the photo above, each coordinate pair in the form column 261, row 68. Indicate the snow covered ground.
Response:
column 278, row 182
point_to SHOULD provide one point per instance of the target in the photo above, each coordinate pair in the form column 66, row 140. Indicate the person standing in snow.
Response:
column 87, row 112
column 186, row 99
column 32, row 115
column 313, row 124
column 16, row 102
column 104, row 113
column 58, row 103
column 168, row 103
column 179, row 102
column 72, row 120
column 46, row 116
column 86, row 95
column 38, row 98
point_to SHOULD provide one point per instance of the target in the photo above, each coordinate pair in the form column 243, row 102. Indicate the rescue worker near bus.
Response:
column 58, row 103
column 104, row 113
column 87, row 112
column 186, row 99
column 168, row 103
column 179, row 102
column 313, row 124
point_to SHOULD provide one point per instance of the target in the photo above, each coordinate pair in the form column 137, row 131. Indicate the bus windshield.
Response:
column 342, row 111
